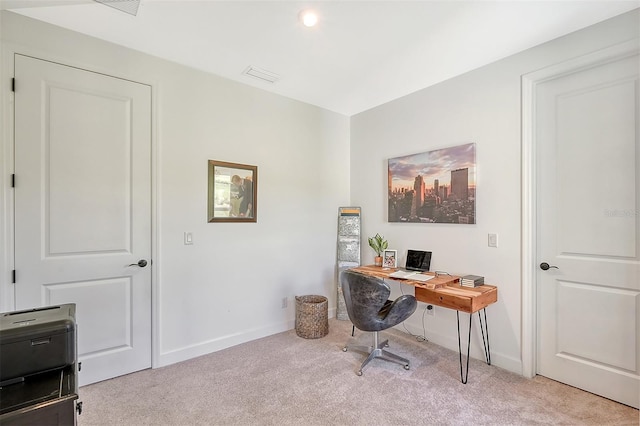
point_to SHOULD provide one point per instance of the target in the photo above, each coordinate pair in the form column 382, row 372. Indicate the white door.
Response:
column 83, row 209
column 587, row 133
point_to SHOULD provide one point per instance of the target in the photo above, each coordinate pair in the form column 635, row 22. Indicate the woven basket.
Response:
column 312, row 317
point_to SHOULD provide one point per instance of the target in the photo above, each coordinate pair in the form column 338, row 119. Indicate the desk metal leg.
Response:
column 487, row 349
column 463, row 378
column 484, row 328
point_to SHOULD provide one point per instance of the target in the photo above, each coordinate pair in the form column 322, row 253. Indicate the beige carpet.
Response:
column 286, row 380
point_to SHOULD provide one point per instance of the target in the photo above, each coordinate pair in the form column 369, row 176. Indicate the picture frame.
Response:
column 437, row 186
column 233, row 192
column 390, row 259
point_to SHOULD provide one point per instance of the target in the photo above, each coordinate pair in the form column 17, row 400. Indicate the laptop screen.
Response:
column 418, row 260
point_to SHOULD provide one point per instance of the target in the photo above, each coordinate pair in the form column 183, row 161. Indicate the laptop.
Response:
column 418, row 261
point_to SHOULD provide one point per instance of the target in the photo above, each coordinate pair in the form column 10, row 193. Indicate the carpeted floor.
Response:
column 286, row 380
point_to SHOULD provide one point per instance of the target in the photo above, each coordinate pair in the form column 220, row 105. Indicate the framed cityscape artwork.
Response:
column 434, row 187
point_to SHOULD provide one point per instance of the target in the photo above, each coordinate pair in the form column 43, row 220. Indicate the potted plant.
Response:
column 378, row 244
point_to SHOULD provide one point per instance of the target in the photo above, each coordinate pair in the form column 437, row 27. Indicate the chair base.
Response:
column 377, row 351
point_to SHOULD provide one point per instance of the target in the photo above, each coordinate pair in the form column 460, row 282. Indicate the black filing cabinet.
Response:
column 39, row 367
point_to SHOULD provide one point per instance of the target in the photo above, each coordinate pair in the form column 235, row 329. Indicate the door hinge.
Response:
column 13, row 276
column 13, row 180
column 13, row 84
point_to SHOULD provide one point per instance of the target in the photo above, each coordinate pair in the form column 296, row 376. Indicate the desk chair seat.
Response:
column 369, row 309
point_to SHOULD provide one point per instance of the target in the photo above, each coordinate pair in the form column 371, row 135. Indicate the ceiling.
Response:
column 360, row 54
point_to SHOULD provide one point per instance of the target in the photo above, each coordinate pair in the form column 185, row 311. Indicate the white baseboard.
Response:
column 332, row 312
column 214, row 345
column 450, row 341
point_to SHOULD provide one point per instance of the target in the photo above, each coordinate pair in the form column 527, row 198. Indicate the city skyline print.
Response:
column 436, row 186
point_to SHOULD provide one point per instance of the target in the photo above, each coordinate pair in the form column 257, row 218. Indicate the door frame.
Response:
column 529, row 165
column 8, row 51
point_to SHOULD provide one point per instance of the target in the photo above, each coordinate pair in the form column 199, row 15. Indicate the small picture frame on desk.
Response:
column 390, row 259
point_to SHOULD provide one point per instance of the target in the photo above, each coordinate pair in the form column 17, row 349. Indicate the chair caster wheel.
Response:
column 406, row 366
column 344, row 349
column 359, row 373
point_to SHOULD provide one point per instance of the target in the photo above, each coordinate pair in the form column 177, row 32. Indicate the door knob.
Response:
column 544, row 266
column 141, row 263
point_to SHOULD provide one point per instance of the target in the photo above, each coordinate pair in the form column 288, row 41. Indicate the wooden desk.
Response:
column 446, row 291
column 443, row 290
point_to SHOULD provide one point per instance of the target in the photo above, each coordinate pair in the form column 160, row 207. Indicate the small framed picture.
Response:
column 390, row 259
column 233, row 192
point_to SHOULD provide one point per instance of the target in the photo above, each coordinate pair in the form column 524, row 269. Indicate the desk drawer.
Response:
column 459, row 298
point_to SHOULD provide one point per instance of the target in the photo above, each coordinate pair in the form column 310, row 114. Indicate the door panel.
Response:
column 612, row 336
column 112, row 317
column 587, row 224
column 599, row 180
column 83, row 209
column 97, row 189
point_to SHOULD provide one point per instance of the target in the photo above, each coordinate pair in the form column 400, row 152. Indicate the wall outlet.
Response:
column 285, row 302
column 431, row 310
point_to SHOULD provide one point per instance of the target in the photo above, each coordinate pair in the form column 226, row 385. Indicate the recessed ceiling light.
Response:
column 309, row 18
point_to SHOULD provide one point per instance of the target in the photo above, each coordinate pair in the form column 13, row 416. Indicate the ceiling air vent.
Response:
column 261, row 74
column 128, row 6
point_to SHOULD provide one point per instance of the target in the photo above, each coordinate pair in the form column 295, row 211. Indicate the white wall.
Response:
column 206, row 295
column 482, row 106
column 228, row 286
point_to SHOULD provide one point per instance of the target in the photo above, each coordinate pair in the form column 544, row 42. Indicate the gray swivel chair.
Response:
column 369, row 309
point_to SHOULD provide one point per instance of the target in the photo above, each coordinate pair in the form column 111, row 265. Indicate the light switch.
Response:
column 188, row 238
column 493, row 240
